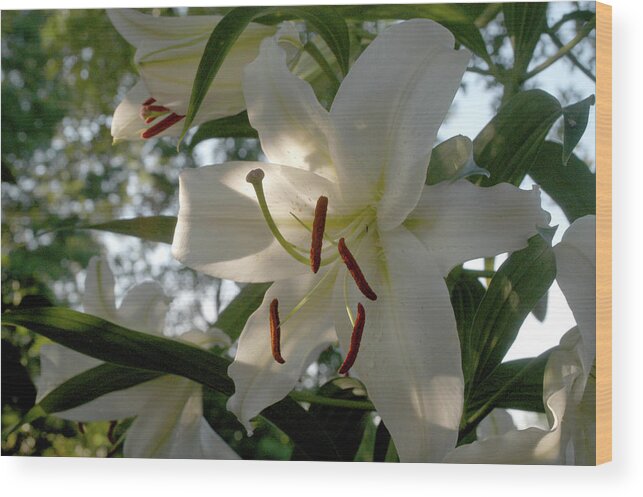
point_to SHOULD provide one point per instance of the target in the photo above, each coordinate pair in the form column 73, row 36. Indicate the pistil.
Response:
column 275, row 332
column 355, row 271
column 255, row 178
column 356, row 339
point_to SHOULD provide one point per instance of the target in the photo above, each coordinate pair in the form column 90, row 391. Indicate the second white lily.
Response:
column 368, row 157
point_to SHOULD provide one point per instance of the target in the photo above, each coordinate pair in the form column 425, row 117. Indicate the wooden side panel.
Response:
column 603, row 233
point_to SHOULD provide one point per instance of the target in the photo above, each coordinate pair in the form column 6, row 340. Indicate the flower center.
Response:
column 315, row 260
column 150, row 113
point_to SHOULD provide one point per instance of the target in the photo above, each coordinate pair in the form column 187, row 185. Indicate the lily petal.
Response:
column 409, row 357
column 576, row 275
column 99, row 299
column 460, row 221
column 138, row 28
column 221, row 230
column 126, row 122
column 387, row 112
column 291, row 123
column 170, row 425
column 144, row 308
column 497, row 422
column 259, row 380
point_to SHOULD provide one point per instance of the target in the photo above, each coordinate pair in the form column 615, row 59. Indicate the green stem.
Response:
column 563, row 51
column 314, row 52
column 311, row 398
column 571, row 56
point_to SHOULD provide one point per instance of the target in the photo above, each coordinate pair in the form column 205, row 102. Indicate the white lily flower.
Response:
column 367, row 159
column 569, row 389
column 168, row 52
column 169, row 416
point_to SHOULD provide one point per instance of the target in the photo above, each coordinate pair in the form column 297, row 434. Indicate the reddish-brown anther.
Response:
column 275, row 332
column 149, row 101
column 356, row 339
column 319, row 224
column 355, row 271
column 161, row 126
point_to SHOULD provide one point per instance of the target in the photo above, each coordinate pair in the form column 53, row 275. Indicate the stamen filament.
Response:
column 326, row 237
column 255, row 178
column 319, row 224
column 308, row 296
column 275, row 332
column 356, row 339
column 354, row 269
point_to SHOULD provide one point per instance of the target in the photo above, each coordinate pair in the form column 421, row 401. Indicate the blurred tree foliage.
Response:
column 63, row 73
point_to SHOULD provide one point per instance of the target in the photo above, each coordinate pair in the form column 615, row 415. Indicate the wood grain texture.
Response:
column 603, row 233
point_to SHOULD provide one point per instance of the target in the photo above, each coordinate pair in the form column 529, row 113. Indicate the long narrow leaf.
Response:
column 508, row 145
column 151, row 228
column 515, row 289
column 145, row 357
column 108, row 342
column 573, row 186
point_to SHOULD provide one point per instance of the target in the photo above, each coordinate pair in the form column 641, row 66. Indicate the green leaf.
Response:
column 509, row 144
column 329, row 24
column 573, row 187
column 457, row 18
column 466, row 295
column 131, row 349
column 322, row 19
column 237, row 126
column 575, row 119
column 525, row 23
column 452, row 160
column 513, row 292
column 233, row 318
column 93, row 383
column 220, row 42
column 514, row 384
column 344, row 426
column 540, row 309
column 152, row 228
column 108, row 342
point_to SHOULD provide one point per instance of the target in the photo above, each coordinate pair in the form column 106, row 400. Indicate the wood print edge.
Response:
column 603, row 233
